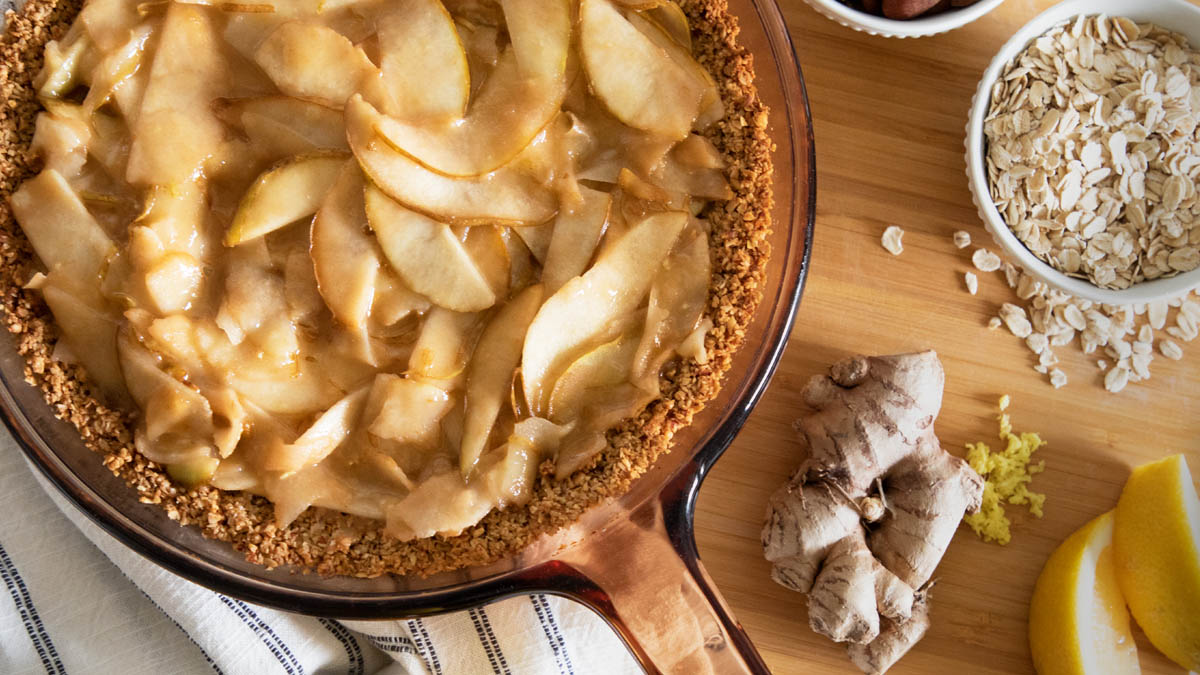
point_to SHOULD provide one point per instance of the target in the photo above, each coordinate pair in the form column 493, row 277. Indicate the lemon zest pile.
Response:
column 1006, row 476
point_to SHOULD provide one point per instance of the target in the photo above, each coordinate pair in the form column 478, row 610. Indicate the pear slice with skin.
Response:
column 673, row 21
column 292, row 190
column 324, row 436
column 635, row 78
column 520, row 96
column 422, row 61
column 711, row 106
column 345, row 258
column 576, row 232
column 606, row 365
column 583, row 311
column 427, row 255
column 505, row 196
column 489, row 378
column 63, row 232
column 313, row 62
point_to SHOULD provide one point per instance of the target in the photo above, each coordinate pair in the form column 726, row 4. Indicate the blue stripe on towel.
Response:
column 29, row 615
column 554, row 634
column 354, row 653
column 490, row 644
column 424, row 645
column 267, row 637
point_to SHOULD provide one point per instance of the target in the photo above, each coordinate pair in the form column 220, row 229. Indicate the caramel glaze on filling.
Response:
column 334, row 543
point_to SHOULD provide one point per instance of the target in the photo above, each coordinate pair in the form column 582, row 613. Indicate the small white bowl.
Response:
column 1178, row 15
column 885, row 27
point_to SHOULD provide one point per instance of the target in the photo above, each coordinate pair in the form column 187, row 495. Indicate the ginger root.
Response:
column 864, row 521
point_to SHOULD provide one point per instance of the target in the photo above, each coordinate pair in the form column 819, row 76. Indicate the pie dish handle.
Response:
column 642, row 574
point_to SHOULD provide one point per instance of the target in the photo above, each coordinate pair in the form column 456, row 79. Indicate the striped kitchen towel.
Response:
column 75, row 600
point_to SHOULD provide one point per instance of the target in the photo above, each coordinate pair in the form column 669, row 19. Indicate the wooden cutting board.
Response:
column 889, row 117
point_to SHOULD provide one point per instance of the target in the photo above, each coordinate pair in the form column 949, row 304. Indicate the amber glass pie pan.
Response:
column 633, row 560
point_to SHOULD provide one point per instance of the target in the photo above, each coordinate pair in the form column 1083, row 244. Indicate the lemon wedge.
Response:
column 1077, row 618
column 1157, row 543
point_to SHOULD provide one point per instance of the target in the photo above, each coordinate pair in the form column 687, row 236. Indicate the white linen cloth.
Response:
column 75, row 600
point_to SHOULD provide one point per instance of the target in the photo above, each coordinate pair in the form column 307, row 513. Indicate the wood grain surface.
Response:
column 889, row 117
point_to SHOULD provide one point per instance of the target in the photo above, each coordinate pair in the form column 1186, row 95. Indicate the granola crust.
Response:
column 332, row 543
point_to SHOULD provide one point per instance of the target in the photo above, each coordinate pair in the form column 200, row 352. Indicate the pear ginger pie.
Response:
column 379, row 286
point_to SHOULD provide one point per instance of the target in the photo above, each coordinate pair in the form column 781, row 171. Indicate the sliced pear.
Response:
column 422, row 60
column 63, row 61
column 308, row 126
column 427, row 255
column 409, row 409
column 313, row 62
column 576, row 232
column 115, row 68
column 176, row 419
column 536, row 239
column 300, row 289
column 345, row 258
column 254, row 305
column 673, row 21
column 393, row 303
column 711, row 107
column 297, row 390
column 176, row 128
column 521, row 95
column 292, row 190
column 443, row 347
column 486, row 246
column 324, row 436
column 505, row 196
column 179, row 217
column 635, row 78
column 693, row 167
column 606, row 365
column 108, row 22
column 229, row 419
column 174, row 282
column 677, row 300
column 62, row 142
column 580, row 313
column 489, row 377
column 443, row 504
column 64, row 234
column 90, row 330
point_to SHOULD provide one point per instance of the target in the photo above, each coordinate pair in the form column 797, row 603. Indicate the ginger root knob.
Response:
column 872, row 458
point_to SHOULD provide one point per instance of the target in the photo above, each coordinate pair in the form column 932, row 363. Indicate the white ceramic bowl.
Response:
column 1178, row 15
column 885, row 27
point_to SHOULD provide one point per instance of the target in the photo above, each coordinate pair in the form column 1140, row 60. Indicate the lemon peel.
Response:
column 1007, row 474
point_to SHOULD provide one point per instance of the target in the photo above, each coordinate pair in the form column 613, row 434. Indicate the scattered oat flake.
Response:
column 985, row 261
column 962, row 239
column 994, row 323
column 1171, row 349
column 1058, row 378
column 892, row 240
column 972, row 282
column 1014, row 318
column 1116, row 379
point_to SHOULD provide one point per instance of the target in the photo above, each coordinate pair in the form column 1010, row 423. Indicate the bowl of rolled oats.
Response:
column 1083, row 149
column 903, row 18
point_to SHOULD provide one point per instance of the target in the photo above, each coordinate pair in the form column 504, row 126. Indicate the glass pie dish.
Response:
column 633, row 560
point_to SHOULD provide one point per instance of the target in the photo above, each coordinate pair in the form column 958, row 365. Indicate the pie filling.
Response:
column 386, row 258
